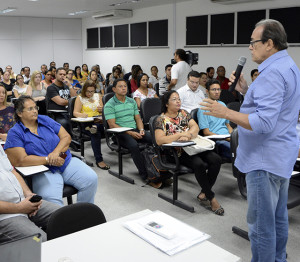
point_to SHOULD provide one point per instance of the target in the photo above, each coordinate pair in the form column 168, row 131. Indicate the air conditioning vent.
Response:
column 113, row 14
column 231, row 2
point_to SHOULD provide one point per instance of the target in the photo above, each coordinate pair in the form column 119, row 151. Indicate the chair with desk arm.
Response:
column 236, row 107
column 156, row 88
column 113, row 143
column 73, row 218
column 176, row 169
column 149, row 107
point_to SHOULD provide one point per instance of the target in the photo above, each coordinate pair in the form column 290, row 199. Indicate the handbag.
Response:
column 202, row 144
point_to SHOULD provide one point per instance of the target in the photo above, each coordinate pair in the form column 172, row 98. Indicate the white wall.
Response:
column 33, row 41
column 208, row 56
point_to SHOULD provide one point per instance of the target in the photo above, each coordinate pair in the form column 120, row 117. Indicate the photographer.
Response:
column 179, row 71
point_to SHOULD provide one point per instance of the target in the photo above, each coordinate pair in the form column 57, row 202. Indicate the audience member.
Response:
column 20, row 88
column 221, row 78
column 57, row 96
column 143, row 91
column 99, row 86
column 52, row 64
column 26, row 74
column 122, row 111
column 44, row 70
column 78, row 76
column 133, row 81
column 129, row 74
column 66, row 66
column 1, row 74
column 116, row 74
column 153, row 79
column 89, row 104
column 210, row 72
column 48, row 79
column 165, row 81
column 18, row 216
column 8, row 84
column 179, row 71
column 6, row 115
column 176, row 124
column 84, row 72
column 254, row 74
column 71, row 82
column 39, row 140
column 11, row 73
column 215, row 126
column 53, row 72
column 101, row 77
column 202, row 83
column 121, row 71
column 191, row 94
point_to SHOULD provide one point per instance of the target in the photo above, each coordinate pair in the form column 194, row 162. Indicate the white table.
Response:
column 111, row 242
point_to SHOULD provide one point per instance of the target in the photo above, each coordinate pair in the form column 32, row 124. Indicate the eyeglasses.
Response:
column 29, row 109
column 90, row 92
column 215, row 89
column 254, row 41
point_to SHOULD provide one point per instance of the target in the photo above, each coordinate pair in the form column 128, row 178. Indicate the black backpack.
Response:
column 154, row 171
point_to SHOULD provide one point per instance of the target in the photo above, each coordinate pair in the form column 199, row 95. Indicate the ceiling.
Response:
column 61, row 8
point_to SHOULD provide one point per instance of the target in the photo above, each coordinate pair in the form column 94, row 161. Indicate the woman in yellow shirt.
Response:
column 85, row 72
column 89, row 104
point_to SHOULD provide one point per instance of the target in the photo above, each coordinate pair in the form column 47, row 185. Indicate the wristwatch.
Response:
column 142, row 129
column 47, row 160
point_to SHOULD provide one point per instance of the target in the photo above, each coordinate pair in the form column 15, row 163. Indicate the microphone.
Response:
column 242, row 62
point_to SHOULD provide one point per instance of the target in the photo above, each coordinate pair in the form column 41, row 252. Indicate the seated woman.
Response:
column 84, row 72
column 37, row 91
column 143, row 91
column 175, row 124
column 6, row 114
column 72, row 83
column 89, row 104
column 48, row 79
column 116, row 74
column 20, row 88
column 39, row 140
column 99, row 85
column 78, row 76
column 8, row 84
column 133, row 81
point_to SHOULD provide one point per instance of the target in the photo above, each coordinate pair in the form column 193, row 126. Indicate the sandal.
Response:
column 220, row 211
column 106, row 167
column 204, row 201
column 92, row 129
column 156, row 185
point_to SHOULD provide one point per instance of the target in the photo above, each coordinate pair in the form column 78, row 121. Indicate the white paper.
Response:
column 218, row 136
column 294, row 173
column 31, row 170
column 120, row 129
column 176, row 143
column 186, row 236
column 2, row 142
column 83, row 119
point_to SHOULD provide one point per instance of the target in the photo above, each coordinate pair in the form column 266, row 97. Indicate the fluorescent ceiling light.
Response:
column 126, row 2
column 7, row 10
column 78, row 12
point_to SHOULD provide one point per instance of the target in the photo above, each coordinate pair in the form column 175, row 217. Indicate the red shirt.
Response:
column 224, row 85
column 133, row 85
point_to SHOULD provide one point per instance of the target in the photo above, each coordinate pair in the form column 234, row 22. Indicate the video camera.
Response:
column 191, row 58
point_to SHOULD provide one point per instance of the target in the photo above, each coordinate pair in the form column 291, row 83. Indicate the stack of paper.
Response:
column 180, row 143
column 218, row 136
column 185, row 235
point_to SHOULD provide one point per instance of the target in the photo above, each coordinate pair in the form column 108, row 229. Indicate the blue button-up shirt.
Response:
column 40, row 145
column 272, row 102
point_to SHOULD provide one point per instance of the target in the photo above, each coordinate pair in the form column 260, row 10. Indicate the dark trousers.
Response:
column 132, row 145
column 199, row 163
column 64, row 120
column 95, row 140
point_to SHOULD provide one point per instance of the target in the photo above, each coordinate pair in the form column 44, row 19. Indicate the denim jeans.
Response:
column 224, row 148
column 77, row 174
column 267, row 216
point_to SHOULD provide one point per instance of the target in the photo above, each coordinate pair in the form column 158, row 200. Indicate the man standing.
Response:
column 191, row 94
column 165, row 81
column 122, row 111
column 44, row 70
column 57, row 96
column 179, row 71
column 212, row 125
column 267, row 132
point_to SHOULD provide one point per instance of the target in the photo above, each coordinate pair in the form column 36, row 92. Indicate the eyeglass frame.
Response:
column 29, row 109
column 255, row 41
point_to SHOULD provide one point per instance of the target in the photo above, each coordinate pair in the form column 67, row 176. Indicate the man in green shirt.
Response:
column 122, row 111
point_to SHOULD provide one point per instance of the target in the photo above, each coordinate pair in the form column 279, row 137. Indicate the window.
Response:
column 138, row 34
column 158, row 33
column 121, row 36
column 106, row 37
column 196, row 30
column 222, row 29
column 92, row 37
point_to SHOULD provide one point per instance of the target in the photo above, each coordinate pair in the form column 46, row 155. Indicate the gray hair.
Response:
column 273, row 30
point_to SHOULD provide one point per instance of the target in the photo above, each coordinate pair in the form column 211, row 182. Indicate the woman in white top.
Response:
column 202, row 83
column 153, row 79
column 20, row 88
column 143, row 91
